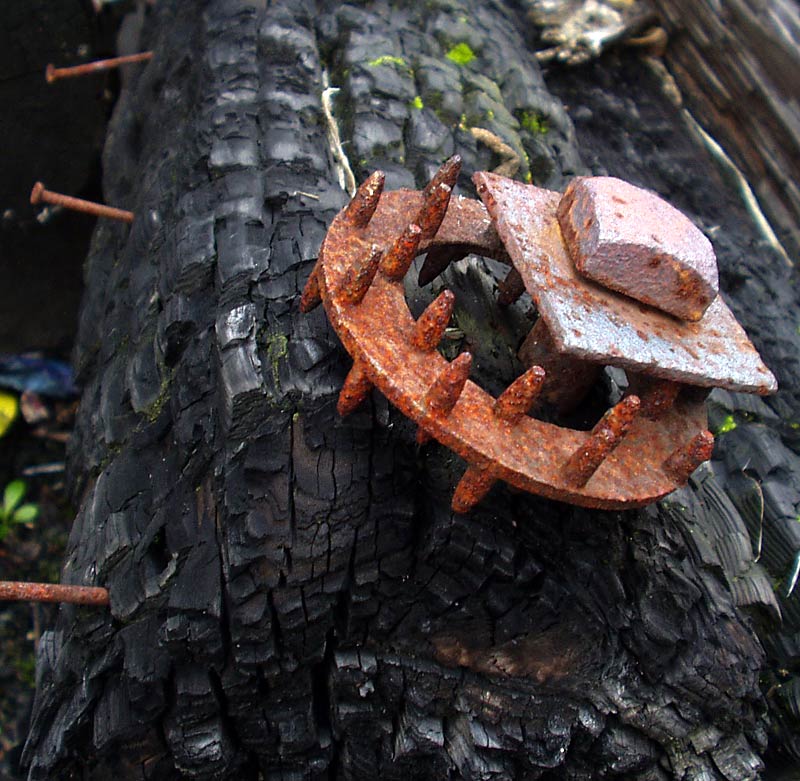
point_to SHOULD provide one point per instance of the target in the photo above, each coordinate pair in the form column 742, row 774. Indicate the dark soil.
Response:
column 31, row 553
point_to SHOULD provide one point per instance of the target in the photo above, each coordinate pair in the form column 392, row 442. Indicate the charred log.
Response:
column 291, row 595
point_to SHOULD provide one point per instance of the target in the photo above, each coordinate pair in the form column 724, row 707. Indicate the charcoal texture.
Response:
column 291, row 595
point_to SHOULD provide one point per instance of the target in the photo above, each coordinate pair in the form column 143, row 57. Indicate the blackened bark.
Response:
column 735, row 62
column 291, row 594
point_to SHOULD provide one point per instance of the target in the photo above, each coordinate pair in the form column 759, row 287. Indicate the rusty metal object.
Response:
column 52, row 73
column 607, row 435
column 630, row 240
column 40, row 195
column 568, row 379
column 637, row 453
column 20, row 591
column 592, row 323
column 511, row 288
column 657, row 396
column 687, row 458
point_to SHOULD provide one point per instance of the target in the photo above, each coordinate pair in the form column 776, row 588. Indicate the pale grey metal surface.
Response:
column 591, row 322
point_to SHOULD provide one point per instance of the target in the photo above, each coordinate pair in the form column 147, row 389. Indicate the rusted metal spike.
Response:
column 429, row 329
column 473, row 486
column 518, row 398
column 52, row 73
column 401, row 254
column 683, row 461
column 311, row 297
column 446, row 388
column 40, row 194
column 447, row 174
column 355, row 389
column 360, row 210
column 604, row 437
column 22, row 591
column 436, row 261
column 511, row 288
column 658, row 398
column 356, row 281
column 433, row 210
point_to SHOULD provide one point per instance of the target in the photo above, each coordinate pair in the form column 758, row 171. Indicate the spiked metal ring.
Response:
column 641, row 449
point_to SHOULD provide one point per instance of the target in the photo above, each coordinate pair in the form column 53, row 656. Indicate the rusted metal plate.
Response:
column 385, row 342
column 628, row 239
column 590, row 322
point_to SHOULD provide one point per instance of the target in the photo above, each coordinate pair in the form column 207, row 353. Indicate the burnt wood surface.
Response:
column 291, row 596
column 737, row 64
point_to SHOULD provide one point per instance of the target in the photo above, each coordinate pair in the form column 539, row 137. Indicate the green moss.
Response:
column 534, row 122
column 729, row 424
column 277, row 349
column 153, row 410
column 389, row 59
column 490, row 115
column 417, row 102
column 461, row 54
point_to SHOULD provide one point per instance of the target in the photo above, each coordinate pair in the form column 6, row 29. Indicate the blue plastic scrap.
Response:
column 45, row 376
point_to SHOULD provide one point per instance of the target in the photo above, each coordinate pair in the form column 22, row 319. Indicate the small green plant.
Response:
column 461, row 54
column 534, row 122
column 729, row 424
column 13, row 512
column 388, row 59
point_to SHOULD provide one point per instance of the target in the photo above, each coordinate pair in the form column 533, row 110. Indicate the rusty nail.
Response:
column 511, row 288
column 360, row 210
column 447, row 174
column 475, row 483
column 680, row 465
column 311, row 297
column 358, row 279
column 401, row 254
column 519, row 397
column 436, row 261
column 355, row 389
column 446, row 388
column 431, row 325
column 604, row 437
column 52, row 73
column 20, row 591
column 40, row 195
column 433, row 210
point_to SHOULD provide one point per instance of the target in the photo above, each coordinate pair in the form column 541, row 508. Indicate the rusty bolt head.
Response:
column 630, row 240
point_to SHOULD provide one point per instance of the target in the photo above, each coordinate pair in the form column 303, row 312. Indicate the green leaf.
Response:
column 13, row 494
column 26, row 513
column 9, row 409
